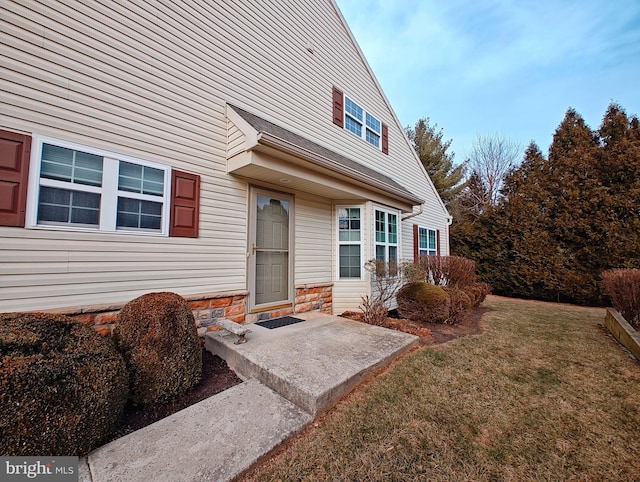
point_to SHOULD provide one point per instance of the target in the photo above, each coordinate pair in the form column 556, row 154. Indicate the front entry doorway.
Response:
column 270, row 252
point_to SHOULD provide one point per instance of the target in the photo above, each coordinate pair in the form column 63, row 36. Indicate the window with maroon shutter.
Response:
column 427, row 241
column 437, row 242
column 14, row 172
column 185, row 204
column 416, row 251
column 338, row 107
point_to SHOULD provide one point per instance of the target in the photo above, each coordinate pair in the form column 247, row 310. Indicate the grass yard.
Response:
column 543, row 394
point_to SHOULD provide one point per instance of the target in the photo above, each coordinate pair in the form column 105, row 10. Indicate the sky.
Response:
column 500, row 67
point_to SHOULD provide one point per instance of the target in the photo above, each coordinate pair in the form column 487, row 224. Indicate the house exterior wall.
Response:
column 151, row 80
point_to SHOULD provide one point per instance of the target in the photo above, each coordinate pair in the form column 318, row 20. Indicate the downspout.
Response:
column 409, row 216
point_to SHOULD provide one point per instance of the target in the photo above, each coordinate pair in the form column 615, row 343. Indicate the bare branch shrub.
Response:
column 448, row 270
column 623, row 287
column 386, row 282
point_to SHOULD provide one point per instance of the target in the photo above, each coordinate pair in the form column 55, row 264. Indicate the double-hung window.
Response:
column 386, row 241
column 427, row 242
column 83, row 188
column 362, row 123
column 350, row 242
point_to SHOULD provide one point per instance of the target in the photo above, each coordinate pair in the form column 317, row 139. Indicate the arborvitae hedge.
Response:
column 564, row 219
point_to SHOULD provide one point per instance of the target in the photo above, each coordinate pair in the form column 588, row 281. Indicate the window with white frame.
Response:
column 362, row 123
column 427, row 242
column 386, row 240
column 349, row 242
column 80, row 187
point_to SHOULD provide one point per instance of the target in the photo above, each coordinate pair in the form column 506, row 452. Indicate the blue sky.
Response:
column 500, row 66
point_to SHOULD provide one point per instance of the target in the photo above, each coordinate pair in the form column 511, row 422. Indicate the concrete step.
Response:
column 213, row 440
column 313, row 363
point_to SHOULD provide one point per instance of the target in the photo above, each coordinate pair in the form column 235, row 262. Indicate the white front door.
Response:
column 270, row 249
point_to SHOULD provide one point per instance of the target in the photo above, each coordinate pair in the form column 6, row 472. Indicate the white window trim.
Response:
column 435, row 248
column 386, row 242
column 363, row 134
column 340, row 243
column 108, row 196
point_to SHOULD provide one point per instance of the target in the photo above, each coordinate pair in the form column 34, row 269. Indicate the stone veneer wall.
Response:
column 207, row 308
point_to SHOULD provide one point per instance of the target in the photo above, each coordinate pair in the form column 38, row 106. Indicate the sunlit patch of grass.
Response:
column 543, row 394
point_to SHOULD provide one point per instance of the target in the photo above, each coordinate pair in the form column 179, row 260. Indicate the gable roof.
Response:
column 266, row 133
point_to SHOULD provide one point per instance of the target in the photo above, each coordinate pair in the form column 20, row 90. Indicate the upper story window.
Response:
column 361, row 123
column 353, row 117
column 427, row 242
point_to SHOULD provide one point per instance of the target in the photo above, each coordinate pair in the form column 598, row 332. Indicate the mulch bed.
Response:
column 216, row 377
column 432, row 333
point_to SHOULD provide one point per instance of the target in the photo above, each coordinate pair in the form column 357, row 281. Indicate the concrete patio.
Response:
column 313, row 363
column 292, row 373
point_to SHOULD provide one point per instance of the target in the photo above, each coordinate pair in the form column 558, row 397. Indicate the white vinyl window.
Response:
column 82, row 188
column 350, row 242
column 362, row 123
column 427, row 243
column 386, row 241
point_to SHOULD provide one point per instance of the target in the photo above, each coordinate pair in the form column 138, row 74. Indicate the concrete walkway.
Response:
column 292, row 373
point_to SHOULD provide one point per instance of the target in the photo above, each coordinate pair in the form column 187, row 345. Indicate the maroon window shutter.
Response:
column 338, row 107
column 385, row 139
column 185, row 204
column 416, row 245
column 15, row 150
column 437, row 242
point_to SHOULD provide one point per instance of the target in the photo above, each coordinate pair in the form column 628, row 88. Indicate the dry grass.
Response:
column 544, row 394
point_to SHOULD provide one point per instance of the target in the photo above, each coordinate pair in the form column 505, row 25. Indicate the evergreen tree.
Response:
column 433, row 152
column 560, row 222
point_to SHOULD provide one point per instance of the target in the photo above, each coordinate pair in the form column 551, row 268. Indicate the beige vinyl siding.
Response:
column 313, row 240
column 150, row 80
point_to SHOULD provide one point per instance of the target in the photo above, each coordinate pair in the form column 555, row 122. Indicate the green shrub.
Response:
column 63, row 386
column 423, row 302
column 623, row 287
column 157, row 337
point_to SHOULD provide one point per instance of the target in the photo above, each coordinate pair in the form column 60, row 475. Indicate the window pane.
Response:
column 372, row 138
column 393, row 228
column 353, row 126
column 349, row 224
column 68, row 207
column 422, row 238
column 380, row 253
column 350, row 261
column 373, row 124
column 432, row 239
column 64, row 164
column 138, row 214
column 380, row 231
column 353, row 109
column 140, row 179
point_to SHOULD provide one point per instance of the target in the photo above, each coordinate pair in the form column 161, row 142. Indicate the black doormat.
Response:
column 278, row 322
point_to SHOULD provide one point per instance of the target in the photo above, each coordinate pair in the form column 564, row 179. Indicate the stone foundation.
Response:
column 207, row 308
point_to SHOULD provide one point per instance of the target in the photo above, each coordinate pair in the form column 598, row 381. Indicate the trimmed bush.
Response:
column 477, row 293
column 157, row 337
column 63, row 386
column 623, row 287
column 423, row 302
column 459, row 304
